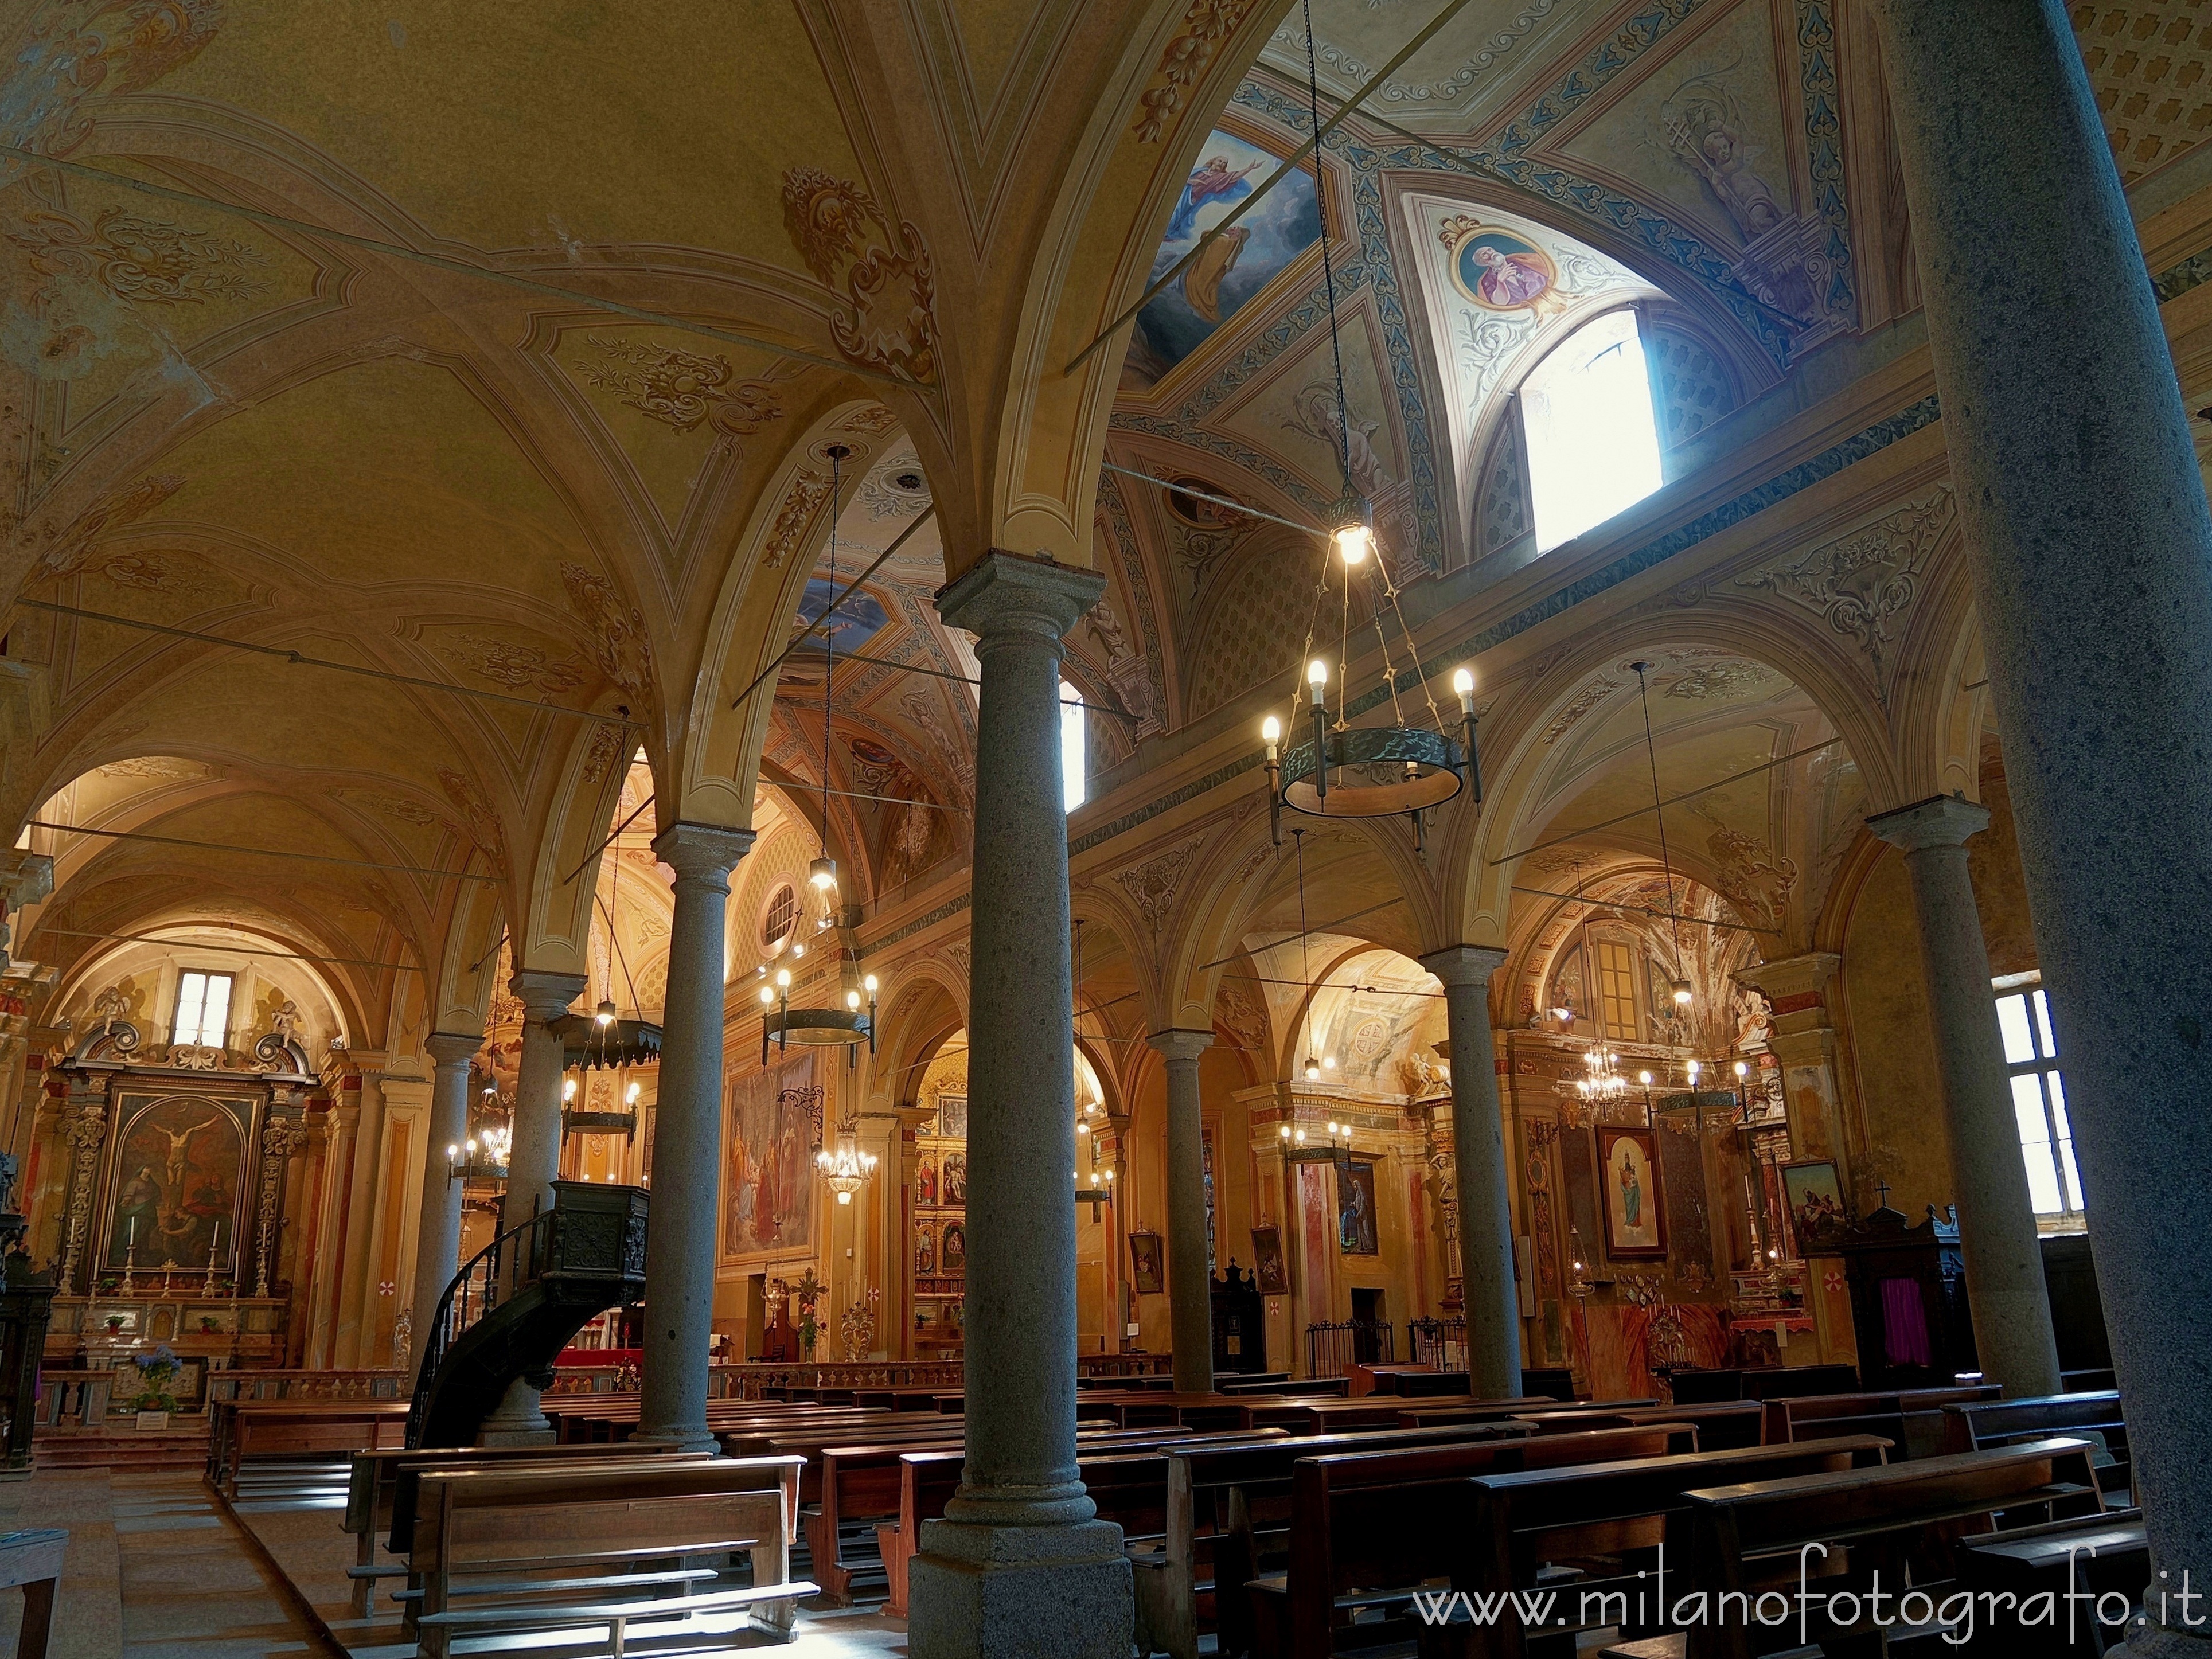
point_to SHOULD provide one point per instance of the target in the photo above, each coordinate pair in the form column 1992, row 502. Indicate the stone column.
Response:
column 438, row 1229
column 1996, row 1218
column 533, row 1163
column 1485, row 1214
column 1019, row 1563
column 2090, row 545
column 1190, row 1277
column 687, row 1140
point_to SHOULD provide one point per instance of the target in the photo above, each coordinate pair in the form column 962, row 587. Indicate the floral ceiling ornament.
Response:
column 148, row 261
column 1151, row 885
column 616, row 631
column 73, row 52
column 1205, row 25
column 604, row 755
column 888, row 276
column 61, row 548
column 681, row 389
column 806, row 497
column 1585, row 700
column 513, row 665
column 1867, row 580
column 481, row 822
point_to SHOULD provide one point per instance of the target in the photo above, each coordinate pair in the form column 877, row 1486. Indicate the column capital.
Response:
column 1465, row 965
column 1007, row 594
column 698, row 852
column 1181, row 1044
column 450, row 1048
column 1940, row 820
column 1801, row 980
column 545, row 995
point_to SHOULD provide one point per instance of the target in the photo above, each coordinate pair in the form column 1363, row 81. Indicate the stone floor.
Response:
column 158, row 1568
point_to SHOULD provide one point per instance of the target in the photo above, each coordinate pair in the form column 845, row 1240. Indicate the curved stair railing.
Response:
column 485, row 1280
column 517, row 1301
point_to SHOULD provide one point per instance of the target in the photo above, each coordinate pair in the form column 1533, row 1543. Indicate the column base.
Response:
column 1063, row 1592
column 517, row 1422
column 2160, row 1642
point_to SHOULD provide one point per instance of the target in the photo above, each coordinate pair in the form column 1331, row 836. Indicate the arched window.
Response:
column 1593, row 441
column 1074, row 758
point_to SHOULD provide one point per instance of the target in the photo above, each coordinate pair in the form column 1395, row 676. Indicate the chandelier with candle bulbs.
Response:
column 845, row 1170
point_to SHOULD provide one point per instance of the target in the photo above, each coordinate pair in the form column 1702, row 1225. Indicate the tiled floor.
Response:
column 154, row 1571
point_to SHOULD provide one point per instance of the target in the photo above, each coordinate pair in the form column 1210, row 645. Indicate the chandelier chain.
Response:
column 1659, row 811
column 1328, row 270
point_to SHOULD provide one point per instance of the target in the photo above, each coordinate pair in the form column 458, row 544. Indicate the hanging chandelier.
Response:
column 847, row 1168
column 823, row 1027
column 1345, row 771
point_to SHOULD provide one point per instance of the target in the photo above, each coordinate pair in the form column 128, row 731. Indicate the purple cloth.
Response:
column 1904, row 1324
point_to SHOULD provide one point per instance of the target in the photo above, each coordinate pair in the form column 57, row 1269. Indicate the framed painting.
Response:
column 953, row 1116
column 1267, row 1262
column 771, row 1126
column 1629, row 1195
column 1147, row 1264
column 1815, row 1197
column 1355, row 1208
column 955, row 1253
column 179, row 1179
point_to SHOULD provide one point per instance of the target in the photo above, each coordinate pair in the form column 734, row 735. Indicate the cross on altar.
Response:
column 1882, row 1187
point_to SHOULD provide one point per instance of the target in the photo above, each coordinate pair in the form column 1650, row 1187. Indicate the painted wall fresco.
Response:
column 1234, row 267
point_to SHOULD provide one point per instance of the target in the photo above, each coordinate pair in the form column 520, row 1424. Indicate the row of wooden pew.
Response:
column 1284, row 1524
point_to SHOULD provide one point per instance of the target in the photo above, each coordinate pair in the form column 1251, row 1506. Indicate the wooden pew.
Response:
column 858, row 1484
column 1721, row 1425
column 1913, row 1417
column 1524, row 1520
column 576, row 1533
column 1314, row 1388
column 1971, row 1426
column 1692, row 1387
column 1376, row 1411
column 372, row 1488
column 2098, row 1555
column 1754, row 1539
column 1212, row 1491
column 241, row 1430
column 1367, row 1527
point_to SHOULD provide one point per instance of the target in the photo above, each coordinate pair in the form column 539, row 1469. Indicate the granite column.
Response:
column 687, row 1140
column 1020, row 1564
column 1996, row 1218
column 1485, row 1215
column 533, row 1163
column 1190, row 1275
column 438, row 1229
column 2090, row 547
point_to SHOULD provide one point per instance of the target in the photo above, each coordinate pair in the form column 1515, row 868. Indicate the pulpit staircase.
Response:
column 518, row 1301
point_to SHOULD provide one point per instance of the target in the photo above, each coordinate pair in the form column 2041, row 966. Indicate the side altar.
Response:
column 173, row 1163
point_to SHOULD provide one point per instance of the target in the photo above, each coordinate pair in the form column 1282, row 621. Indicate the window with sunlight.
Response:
column 2039, row 1103
column 1593, row 441
column 1074, row 759
column 203, row 1010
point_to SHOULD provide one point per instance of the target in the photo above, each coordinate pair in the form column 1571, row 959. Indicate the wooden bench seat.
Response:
column 1619, row 1513
column 568, row 1523
column 618, row 1616
column 2096, row 1554
column 1913, row 1417
column 1196, row 1576
column 1720, row 1425
column 240, row 1432
column 2095, row 1416
column 1377, row 1525
column 1755, row 1538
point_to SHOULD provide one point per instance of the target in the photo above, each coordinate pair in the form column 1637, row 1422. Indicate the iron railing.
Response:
column 510, row 1260
column 1439, row 1343
column 1333, row 1350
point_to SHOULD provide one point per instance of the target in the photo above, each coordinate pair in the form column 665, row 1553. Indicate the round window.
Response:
column 781, row 916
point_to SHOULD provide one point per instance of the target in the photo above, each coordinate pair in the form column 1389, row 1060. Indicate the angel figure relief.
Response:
column 1702, row 125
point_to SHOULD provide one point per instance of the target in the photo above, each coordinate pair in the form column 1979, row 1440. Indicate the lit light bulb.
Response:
column 1740, row 1068
column 1328, row 1062
column 451, row 1152
column 1317, row 677
column 853, row 1000
column 1643, row 1078
column 783, row 979
column 823, row 873
column 1285, row 1132
column 1463, row 683
column 472, row 1149
column 768, row 996
column 869, row 985
column 798, row 950
column 605, row 1016
column 1682, row 993
column 1271, row 733
column 629, row 1096
column 1313, row 1069
column 1352, row 543
column 569, row 1089
column 1083, row 1128
column 1691, row 1067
